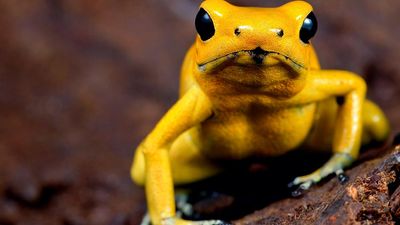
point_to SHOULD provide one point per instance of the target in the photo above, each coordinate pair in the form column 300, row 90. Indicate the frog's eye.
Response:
column 309, row 28
column 204, row 25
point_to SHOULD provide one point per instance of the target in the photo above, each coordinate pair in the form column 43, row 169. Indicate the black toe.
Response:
column 343, row 178
column 298, row 192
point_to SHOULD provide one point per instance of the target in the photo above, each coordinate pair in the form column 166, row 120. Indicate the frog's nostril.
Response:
column 279, row 32
column 237, row 31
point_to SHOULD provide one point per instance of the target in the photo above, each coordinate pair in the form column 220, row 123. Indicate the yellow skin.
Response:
column 232, row 108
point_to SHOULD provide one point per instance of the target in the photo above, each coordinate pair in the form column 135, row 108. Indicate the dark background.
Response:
column 82, row 82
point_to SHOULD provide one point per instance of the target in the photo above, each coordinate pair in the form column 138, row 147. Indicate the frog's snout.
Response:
column 258, row 55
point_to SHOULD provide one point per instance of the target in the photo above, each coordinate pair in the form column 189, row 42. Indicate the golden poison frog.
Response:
column 251, row 86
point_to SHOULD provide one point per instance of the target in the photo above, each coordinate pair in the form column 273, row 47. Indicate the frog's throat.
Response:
column 258, row 56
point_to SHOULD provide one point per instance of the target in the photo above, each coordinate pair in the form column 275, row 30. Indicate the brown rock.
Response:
column 82, row 82
column 371, row 196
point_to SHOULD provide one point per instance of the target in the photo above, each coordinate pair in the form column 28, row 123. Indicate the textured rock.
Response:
column 82, row 82
column 370, row 197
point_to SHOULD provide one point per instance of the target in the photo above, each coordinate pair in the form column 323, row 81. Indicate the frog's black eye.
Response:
column 204, row 25
column 309, row 28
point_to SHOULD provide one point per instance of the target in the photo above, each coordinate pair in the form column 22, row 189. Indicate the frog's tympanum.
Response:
column 251, row 86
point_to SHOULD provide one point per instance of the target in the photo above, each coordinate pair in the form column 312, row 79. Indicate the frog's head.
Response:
column 264, row 49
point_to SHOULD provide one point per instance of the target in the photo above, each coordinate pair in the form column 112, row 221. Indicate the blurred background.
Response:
column 83, row 82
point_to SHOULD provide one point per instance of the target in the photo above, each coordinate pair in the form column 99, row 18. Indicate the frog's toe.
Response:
column 304, row 183
column 301, row 189
column 213, row 222
column 178, row 221
column 183, row 207
column 342, row 177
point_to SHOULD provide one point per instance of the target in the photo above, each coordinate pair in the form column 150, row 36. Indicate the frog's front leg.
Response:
column 193, row 108
column 348, row 128
column 336, row 164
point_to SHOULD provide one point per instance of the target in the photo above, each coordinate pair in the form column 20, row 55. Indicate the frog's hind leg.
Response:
column 187, row 163
column 375, row 124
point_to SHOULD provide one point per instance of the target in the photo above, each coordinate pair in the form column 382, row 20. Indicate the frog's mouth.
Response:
column 257, row 57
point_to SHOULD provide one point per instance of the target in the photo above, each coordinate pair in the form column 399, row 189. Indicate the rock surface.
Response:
column 371, row 196
column 82, row 82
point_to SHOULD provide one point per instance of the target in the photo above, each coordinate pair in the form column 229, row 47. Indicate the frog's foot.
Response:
column 179, row 221
column 334, row 165
column 183, row 207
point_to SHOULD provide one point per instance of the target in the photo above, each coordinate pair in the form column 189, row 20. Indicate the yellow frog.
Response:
column 251, row 86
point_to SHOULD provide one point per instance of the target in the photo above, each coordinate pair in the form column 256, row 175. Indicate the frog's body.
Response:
column 251, row 87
